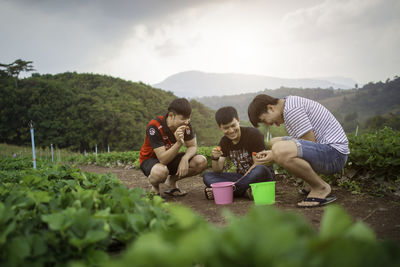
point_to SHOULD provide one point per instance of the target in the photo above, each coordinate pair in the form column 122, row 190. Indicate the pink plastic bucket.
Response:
column 223, row 192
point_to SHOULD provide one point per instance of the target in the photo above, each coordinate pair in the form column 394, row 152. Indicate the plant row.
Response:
column 264, row 237
column 374, row 157
column 59, row 216
column 377, row 153
column 56, row 214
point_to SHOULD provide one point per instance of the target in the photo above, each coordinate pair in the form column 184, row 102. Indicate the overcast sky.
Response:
column 150, row 40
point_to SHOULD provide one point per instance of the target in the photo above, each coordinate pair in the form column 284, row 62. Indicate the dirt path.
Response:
column 382, row 214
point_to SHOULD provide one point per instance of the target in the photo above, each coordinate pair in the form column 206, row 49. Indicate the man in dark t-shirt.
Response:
column 160, row 159
column 238, row 143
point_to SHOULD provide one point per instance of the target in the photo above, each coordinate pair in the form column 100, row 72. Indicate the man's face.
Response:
column 231, row 130
column 178, row 120
column 272, row 117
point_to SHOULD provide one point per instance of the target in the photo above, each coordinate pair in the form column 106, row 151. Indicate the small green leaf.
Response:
column 5, row 232
column 335, row 221
column 18, row 248
column 184, row 216
column 361, row 231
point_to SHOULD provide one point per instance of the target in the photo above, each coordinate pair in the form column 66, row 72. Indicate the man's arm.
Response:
column 218, row 165
column 166, row 156
column 218, row 162
column 191, row 151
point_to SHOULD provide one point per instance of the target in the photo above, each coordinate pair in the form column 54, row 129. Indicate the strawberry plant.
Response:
column 55, row 214
column 374, row 161
column 378, row 154
column 108, row 159
column 264, row 237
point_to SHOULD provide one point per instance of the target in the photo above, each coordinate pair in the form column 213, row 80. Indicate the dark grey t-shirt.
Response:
column 251, row 140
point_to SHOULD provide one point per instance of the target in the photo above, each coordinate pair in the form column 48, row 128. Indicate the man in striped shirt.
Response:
column 317, row 142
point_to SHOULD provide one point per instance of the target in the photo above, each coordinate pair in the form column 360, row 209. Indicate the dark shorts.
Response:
column 148, row 164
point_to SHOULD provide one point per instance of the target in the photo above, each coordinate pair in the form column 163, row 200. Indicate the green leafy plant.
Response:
column 374, row 160
column 264, row 237
column 57, row 213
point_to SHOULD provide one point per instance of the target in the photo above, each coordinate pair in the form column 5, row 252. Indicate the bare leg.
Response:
column 158, row 174
column 285, row 154
column 196, row 165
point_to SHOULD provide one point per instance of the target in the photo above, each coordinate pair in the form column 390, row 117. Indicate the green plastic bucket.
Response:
column 263, row 193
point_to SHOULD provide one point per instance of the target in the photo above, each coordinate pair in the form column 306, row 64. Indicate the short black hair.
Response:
column 225, row 115
column 180, row 106
column 258, row 106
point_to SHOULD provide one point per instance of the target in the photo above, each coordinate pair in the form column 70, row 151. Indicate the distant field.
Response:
column 24, row 151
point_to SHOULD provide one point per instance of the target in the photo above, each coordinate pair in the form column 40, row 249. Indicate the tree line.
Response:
column 371, row 107
column 79, row 111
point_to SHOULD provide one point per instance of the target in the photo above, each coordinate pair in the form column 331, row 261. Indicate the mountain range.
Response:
column 193, row 84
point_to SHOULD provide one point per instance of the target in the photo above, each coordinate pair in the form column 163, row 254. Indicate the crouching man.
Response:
column 160, row 159
column 317, row 142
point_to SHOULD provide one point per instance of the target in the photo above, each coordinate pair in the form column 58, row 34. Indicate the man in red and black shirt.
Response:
column 160, row 159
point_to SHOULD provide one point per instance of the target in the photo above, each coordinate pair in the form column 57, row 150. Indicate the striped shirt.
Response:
column 302, row 115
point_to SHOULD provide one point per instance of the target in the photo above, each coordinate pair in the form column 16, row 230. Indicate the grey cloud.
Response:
column 117, row 10
column 71, row 35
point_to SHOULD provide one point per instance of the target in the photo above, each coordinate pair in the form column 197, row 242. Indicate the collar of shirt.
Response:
column 167, row 131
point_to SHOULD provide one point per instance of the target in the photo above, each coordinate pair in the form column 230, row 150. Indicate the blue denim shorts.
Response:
column 323, row 158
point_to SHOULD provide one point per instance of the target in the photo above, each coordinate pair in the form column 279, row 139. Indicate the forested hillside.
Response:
column 375, row 102
column 78, row 111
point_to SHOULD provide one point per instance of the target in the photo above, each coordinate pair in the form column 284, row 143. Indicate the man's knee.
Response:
column 207, row 177
column 283, row 151
column 262, row 171
column 159, row 173
column 199, row 163
column 274, row 140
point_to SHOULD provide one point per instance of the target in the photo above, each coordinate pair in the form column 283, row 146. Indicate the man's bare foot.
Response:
column 154, row 189
column 171, row 180
column 317, row 197
column 173, row 189
column 209, row 193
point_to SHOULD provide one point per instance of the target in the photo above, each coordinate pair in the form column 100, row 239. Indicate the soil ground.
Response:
column 381, row 213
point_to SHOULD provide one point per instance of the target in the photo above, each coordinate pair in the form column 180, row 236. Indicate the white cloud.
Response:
column 348, row 37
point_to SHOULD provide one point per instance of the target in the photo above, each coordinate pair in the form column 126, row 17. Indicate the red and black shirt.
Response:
column 157, row 135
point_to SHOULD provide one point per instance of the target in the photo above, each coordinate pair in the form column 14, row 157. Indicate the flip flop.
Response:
column 208, row 193
column 175, row 192
column 320, row 201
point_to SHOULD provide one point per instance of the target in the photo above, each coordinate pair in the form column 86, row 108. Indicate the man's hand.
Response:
column 216, row 152
column 264, row 157
column 183, row 168
column 179, row 133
